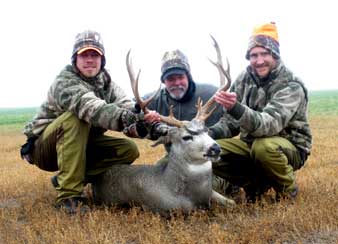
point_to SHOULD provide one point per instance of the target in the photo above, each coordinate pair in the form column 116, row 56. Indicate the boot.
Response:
column 73, row 205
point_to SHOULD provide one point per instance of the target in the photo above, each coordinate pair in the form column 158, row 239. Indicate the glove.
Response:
column 27, row 148
column 211, row 133
column 158, row 129
column 137, row 108
column 128, row 118
column 136, row 130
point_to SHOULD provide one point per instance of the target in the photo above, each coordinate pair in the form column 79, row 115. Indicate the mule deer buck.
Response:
column 185, row 181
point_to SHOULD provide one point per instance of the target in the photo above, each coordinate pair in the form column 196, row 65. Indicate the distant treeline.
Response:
column 320, row 103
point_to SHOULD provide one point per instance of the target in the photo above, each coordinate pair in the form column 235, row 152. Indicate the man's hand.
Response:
column 133, row 125
column 226, row 99
column 27, row 148
column 136, row 130
column 136, row 125
column 152, row 116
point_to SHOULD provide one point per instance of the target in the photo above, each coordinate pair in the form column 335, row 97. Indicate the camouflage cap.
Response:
column 174, row 62
column 88, row 40
column 266, row 36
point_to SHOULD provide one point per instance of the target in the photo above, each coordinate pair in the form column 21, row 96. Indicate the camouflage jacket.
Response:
column 98, row 101
column 185, row 108
column 274, row 107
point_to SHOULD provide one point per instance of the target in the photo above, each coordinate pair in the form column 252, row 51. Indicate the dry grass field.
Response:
column 27, row 215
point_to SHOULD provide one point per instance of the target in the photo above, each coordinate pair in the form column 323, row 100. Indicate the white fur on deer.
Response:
column 184, row 182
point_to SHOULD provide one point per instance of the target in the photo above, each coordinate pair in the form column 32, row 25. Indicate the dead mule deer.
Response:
column 184, row 182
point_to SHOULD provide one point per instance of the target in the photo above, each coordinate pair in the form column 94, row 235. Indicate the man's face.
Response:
column 89, row 63
column 261, row 61
column 177, row 85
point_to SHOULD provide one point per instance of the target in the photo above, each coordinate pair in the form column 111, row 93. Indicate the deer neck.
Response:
column 193, row 181
column 185, row 166
column 200, row 168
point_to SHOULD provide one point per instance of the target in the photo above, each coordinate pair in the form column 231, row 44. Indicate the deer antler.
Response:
column 205, row 111
column 134, row 85
column 171, row 120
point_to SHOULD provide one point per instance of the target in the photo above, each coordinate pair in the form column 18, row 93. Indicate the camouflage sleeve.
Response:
column 119, row 97
column 226, row 127
column 83, row 102
column 276, row 114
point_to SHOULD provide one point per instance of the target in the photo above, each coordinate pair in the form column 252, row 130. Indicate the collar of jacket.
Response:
column 273, row 74
column 188, row 95
column 97, row 81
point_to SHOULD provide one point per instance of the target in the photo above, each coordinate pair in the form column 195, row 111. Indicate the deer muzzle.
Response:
column 213, row 152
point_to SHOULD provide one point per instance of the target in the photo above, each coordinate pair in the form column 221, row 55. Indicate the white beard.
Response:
column 179, row 95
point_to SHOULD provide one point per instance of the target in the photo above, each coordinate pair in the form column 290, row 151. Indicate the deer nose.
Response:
column 214, row 150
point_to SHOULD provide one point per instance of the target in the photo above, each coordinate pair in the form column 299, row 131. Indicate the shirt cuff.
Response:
column 237, row 110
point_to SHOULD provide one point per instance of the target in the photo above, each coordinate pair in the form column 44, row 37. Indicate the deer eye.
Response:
column 187, row 138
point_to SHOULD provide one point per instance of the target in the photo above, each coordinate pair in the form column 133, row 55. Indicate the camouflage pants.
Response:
column 69, row 146
column 268, row 162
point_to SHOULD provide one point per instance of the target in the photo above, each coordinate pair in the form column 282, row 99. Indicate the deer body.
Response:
column 182, row 182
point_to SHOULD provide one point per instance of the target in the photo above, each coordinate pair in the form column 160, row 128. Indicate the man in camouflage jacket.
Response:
column 267, row 107
column 67, row 136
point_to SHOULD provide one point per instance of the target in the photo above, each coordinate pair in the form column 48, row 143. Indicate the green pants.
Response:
column 268, row 162
column 70, row 146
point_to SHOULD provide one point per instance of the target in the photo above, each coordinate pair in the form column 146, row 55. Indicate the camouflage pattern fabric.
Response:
column 88, row 39
column 174, row 59
column 98, row 101
column 266, row 42
column 274, row 107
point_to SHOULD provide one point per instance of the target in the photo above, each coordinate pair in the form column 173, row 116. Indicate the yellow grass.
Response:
column 27, row 215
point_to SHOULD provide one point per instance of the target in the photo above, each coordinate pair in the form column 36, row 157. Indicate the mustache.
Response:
column 173, row 88
column 261, row 65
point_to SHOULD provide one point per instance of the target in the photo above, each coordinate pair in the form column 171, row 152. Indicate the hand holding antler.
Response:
column 206, row 110
column 226, row 99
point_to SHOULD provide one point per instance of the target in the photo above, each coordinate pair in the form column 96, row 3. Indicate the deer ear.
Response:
column 165, row 140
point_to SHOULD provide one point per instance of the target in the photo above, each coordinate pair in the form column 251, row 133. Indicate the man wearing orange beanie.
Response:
column 267, row 107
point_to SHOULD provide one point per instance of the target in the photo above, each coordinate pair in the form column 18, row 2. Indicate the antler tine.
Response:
column 219, row 65
column 219, row 62
column 205, row 111
column 143, row 103
column 134, row 85
column 171, row 120
column 134, row 82
column 226, row 73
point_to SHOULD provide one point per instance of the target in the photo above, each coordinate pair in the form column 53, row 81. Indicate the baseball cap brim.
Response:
column 174, row 71
column 90, row 48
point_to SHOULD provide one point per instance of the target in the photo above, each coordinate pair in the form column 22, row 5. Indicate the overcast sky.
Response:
column 38, row 35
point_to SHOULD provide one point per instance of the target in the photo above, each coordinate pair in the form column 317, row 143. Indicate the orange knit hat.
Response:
column 268, row 29
column 266, row 36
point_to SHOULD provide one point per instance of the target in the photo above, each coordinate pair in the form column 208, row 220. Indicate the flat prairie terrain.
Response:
column 27, row 196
